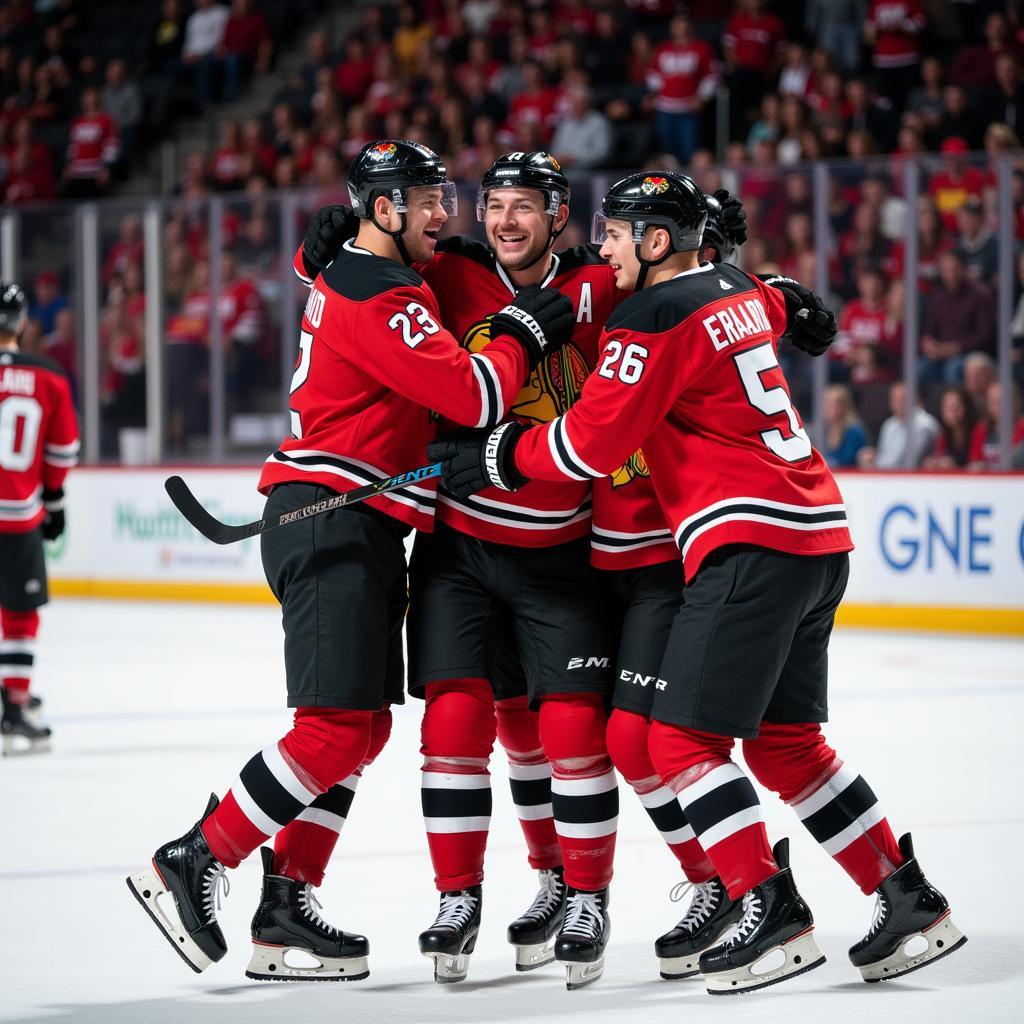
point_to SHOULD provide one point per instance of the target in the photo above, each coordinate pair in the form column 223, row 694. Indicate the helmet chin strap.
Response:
column 645, row 265
column 396, row 237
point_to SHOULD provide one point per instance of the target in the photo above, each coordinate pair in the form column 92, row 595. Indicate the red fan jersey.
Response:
column 471, row 286
column 373, row 360
column 689, row 372
column 38, row 437
column 898, row 25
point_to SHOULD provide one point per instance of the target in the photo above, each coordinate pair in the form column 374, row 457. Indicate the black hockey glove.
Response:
column 540, row 319
column 810, row 325
column 53, row 517
column 479, row 459
column 734, row 217
column 328, row 228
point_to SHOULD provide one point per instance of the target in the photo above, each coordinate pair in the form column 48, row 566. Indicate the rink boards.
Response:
column 933, row 551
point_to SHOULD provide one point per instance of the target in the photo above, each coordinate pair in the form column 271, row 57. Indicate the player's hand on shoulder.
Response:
column 328, row 229
column 540, row 319
column 734, row 217
column 811, row 326
column 479, row 458
column 53, row 516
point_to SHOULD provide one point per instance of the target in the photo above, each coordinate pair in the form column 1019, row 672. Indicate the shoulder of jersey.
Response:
column 360, row 276
column 664, row 306
column 579, row 257
column 33, row 361
column 467, row 248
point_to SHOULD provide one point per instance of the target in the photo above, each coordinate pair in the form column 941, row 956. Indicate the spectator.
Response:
column 753, row 44
column 863, row 247
column 926, row 99
column 768, row 127
column 979, row 372
column 1005, row 101
column 863, row 321
column 683, row 76
column 844, row 433
column 974, row 66
column 837, row 26
column 893, row 30
column 985, row 454
column 165, row 40
column 407, row 42
column 226, row 162
column 246, row 47
column 187, row 341
column 870, row 114
column 354, row 74
column 30, row 178
column 122, row 99
column 957, row 418
column 47, row 301
column 584, row 138
column 976, row 244
column 204, row 34
column 263, row 154
column 956, row 181
column 535, row 105
column 60, row 344
column 93, row 147
column 959, row 320
column 796, row 71
column 932, row 242
column 127, row 250
column 244, row 323
column 897, row 447
column 958, row 119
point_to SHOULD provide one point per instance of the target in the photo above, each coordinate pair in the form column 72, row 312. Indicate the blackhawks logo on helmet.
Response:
column 634, row 466
column 554, row 385
column 383, row 151
column 654, row 186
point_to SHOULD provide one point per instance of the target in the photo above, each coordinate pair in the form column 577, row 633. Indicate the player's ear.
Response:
column 384, row 210
column 661, row 243
column 561, row 218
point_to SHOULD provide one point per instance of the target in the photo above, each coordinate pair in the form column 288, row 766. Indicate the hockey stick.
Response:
column 223, row 533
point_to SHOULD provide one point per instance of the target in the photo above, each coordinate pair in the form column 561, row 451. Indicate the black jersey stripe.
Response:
column 783, row 516
column 569, row 464
column 469, row 506
column 492, row 413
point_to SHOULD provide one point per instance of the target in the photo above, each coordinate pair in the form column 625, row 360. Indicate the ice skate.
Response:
column 185, row 870
column 451, row 939
column 287, row 921
column 21, row 732
column 533, row 934
column 912, row 925
column 581, row 942
column 710, row 916
column 773, row 941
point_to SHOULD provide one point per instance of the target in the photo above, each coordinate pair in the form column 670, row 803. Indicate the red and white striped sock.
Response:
column 18, row 652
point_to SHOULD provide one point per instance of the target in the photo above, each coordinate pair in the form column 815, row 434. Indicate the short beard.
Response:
column 529, row 258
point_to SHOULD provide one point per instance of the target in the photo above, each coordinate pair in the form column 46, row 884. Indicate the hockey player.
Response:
column 689, row 372
column 373, row 359
column 38, row 445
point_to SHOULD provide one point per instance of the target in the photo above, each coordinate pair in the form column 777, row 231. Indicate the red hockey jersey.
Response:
column 38, row 437
column 689, row 373
column 373, row 360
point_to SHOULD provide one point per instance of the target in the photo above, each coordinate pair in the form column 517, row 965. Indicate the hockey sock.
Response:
column 457, row 737
column 529, row 777
column 324, row 746
column 584, row 793
column 627, row 746
column 835, row 804
column 719, row 801
column 17, row 652
column 303, row 848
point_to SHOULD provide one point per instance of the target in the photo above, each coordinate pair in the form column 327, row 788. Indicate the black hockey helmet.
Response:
column 715, row 234
column 535, row 170
column 12, row 308
column 662, row 199
column 390, row 167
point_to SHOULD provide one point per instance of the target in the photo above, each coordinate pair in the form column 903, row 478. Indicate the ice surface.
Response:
column 153, row 706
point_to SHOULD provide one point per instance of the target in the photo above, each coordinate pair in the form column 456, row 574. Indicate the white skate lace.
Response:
column 583, row 915
column 746, row 924
column 548, row 897
column 456, row 910
column 311, row 906
column 705, row 899
column 211, row 890
column 881, row 913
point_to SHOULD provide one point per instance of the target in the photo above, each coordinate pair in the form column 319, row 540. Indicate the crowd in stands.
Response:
column 617, row 84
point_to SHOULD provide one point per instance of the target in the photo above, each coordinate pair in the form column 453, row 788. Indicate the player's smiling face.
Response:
column 619, row 250
column 516, row 221
column 425, row 217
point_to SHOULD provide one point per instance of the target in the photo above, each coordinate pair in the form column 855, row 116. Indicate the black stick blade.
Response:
column 212, row 529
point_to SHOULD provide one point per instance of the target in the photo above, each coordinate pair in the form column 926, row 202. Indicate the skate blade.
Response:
column 581, row 975
column 941, row 939
column 449, row 969
column 675, row 968
column 800, row 955
column 146, row 885
column 269, row 963
column 529, row 958
column 12, row 748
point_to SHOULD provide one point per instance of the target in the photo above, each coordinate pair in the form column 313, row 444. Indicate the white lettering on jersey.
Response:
column 315, row 307
column 732, row 324
column 17, row 382
column 585, row 312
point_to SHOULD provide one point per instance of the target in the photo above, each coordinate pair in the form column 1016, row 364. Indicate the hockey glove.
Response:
column 53, row 517
column 329, row 227
column 734, row 217
column 540, row 319
column 810, row 325
column 479, row 459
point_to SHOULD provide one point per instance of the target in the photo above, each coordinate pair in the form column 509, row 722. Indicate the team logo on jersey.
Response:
column 654, row 186
column 554, row 385
column 634, row 466
column 383, row 151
